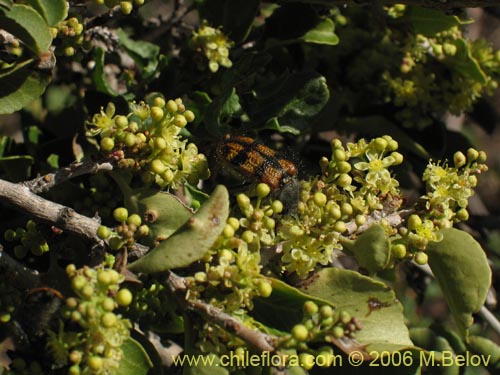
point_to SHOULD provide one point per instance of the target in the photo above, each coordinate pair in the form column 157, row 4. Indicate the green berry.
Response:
column 121, row 122
column 143, row 231
column 234, row 223
column 159, row 102
column 103, row 232
column 414, row 221
column 109, row 320
column 265, row 289
column 156, row 113
column 345, row 317
column 134, row 219
column 247, row 236
column 160, row 143
column 126, row 7
column 459, row 159
column 157, row 166
column 399, row 251
column 124, row 297
column 130, row 140
column 69, row 51
column 243, row 201
column 343, row 167
column 74, row 370
column 472, row 154
column 107, row 144
column 277, row 207
column 300, row 332
column 338, row 332
column 346, row 209
column 189, row 115
column 120, row 214
column 263, row 190
column 326, row 311
column 310, row 308
column 319, row 199
column 87, row 291
column 172, row 106
column 398, row 158
column 462, row 215
column 78, row 282
column 306, row 361
column 340, row 227
column 421, row 258
column 9, row 235
column 95, row 363
column 344, row 180
column 228, row 231
column 380, row 144
column 180, row 121
column 482, row 157
column 108, row 304
column 75, row 356
column 339, row 155
column 360, row 220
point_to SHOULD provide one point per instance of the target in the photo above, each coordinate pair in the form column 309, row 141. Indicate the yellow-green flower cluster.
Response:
column 214, row 45
column 94, row 349
column 232, row 278
column 417, row 88
column 148, row 141
column 449, row 188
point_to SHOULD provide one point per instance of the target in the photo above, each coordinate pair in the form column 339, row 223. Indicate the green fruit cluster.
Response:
column 94, row 348
column 12, row 50
column 126, row 233
column 214, row 45
column 320, row 324
column 126, row 6
column 69, row 35
column 32, row 240
column 147, row 141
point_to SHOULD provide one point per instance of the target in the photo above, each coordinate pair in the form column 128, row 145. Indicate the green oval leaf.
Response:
column 465, row 63
column 429, row 22
column 98, row 75
column 28, row 25
column 462, row 271
column 323, row 33
column 191, row 242
column 289, row 102
column 53, row 11
column 372, row 302
column 372, row 249
column 135, row 360
column 20, row 88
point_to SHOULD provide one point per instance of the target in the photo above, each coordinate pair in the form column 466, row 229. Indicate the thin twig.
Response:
column 253, row 338
column 44, row 183
column 20, row 198
column 394, row 219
